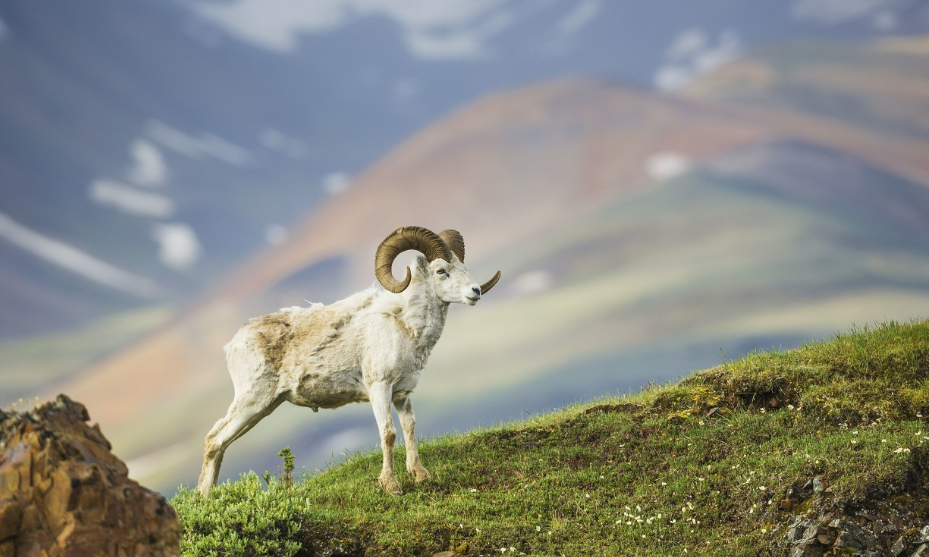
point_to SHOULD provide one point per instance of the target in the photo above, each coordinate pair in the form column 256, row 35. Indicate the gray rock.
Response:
column 802, row 531
column 847, row 539
column 818, row 485
column 899, row 546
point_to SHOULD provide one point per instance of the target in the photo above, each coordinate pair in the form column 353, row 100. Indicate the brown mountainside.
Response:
column 501, row 169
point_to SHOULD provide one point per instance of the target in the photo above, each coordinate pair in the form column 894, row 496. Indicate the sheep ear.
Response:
column 455, row 242
column 422, row 265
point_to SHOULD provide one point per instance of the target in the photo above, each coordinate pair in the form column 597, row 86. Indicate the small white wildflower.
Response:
column 854, row 442
column 664, row 483
column 761, row 488
column 790, row 406
column 473, row 490
column 538, row 528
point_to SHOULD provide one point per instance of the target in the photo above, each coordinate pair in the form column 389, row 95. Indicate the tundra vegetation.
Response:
column 723, row 462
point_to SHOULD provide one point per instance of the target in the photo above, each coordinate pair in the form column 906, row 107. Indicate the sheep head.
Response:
column 444, row 253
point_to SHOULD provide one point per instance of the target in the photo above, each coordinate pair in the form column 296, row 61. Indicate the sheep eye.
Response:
column 441, row 272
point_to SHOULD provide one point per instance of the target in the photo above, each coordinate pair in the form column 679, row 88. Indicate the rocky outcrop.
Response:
column 882, row 527
column 63, row 493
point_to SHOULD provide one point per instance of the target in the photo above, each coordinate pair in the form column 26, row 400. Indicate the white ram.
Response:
column 370, row 346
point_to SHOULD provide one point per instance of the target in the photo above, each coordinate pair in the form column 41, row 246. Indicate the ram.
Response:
column 370, row 346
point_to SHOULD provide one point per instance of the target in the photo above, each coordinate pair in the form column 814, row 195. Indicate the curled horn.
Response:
column 456, row 244
column 403, row 239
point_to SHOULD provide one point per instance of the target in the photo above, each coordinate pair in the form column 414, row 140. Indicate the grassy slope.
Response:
column 713, row 464
column 676, row 268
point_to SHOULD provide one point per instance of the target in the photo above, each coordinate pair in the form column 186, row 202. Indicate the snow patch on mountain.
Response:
column 149, row 167
column 130, row 200
column 335, row 183
column 665, row 165
column 205, row 145
column 692, row 53
column 578, row 18
column 432, row 29
column 275, row 140
column 276, row 234
column 839, row 11
column 179, row 247
column 75, row 260
column 532, row 282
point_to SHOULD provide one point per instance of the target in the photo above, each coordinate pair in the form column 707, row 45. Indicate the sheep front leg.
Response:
column 408, row 422
column 380, row 394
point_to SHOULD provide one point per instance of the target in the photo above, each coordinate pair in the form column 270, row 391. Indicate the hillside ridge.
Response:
column 813, row 451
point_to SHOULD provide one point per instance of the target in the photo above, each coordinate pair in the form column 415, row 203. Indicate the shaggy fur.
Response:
column 370, row 346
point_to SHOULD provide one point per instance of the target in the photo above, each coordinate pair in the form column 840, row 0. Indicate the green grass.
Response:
column 713, row 464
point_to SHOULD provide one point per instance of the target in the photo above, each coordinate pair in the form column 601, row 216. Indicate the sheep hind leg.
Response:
column 408, row 422
column 379, row 394
column 243, row 414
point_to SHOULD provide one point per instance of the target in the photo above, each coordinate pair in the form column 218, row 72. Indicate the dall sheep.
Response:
column 370, row 346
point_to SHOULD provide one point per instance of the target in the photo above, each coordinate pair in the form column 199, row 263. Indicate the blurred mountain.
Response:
column 146, row 146
column 891, row 97
column 133, row 160
column 639, row 234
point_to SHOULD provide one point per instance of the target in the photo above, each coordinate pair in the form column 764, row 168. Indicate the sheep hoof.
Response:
column 419, row 473
column 390, row 485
